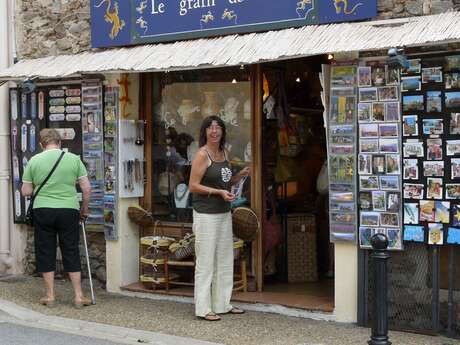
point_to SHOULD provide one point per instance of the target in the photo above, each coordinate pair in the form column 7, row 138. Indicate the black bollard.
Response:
column 380, row 256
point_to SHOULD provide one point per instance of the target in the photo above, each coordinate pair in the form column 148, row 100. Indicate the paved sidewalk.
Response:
column 173, row 318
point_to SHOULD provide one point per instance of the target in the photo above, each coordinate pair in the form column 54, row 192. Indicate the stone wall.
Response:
column 54, row 27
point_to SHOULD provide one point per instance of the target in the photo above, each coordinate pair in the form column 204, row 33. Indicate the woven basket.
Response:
column 140, row 216
column 246, row 224
column 238, row 246
column 183, row 249
column 157, row 241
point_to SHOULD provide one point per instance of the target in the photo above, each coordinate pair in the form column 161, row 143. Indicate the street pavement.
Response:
column 149, row 319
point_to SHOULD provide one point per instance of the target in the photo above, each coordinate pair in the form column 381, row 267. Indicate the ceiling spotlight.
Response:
column 330, row 56
column 297, row 80
column 234, row 81
column 242, row 67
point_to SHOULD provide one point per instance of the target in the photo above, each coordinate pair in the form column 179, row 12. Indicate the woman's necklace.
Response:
column 213, row 154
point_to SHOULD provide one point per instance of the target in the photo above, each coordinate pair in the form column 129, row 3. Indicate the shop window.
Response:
column 181, row 101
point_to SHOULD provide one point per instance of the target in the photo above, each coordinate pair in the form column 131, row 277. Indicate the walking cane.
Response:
column 93, row 299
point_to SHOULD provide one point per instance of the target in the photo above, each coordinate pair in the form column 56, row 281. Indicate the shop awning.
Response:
column 245, row 49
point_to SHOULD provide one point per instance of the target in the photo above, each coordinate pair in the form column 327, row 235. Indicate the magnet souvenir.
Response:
column 57, row 101
column 14, row 104
column 56, row 93
column 73, row 117
column 66, row 133
column 24, row 162
column 23, row 106
column 24, row 138
column 73, row 92
column 17, row 202
column 57, row 109
column 73, row 100
column 33, row 105
column 41, row 105
column 16, row 176
column 32, row 138
column 14, row 133
column 73, row 109
column 56, row 117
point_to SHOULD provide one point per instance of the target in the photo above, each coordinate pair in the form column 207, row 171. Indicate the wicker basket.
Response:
column 184, row 248
column 301, row 251
column 245, row 223
column 238, row 247
column 140, row 216
column 157, row 241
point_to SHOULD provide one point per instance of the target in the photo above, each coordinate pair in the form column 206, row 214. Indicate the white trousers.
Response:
column 214, row 262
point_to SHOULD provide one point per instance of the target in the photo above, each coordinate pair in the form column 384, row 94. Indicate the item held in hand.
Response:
column 245, row 222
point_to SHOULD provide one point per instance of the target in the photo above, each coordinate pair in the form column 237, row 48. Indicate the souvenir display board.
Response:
column 379, row 157
column 111, row 115
column 342, row 154
column 431, row 149
column 92, row 127
column 27, row 118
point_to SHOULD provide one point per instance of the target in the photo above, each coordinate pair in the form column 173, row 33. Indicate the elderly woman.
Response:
column 210, row 182
column 57, row 212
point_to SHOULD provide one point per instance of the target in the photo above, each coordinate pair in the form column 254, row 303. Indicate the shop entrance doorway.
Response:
column 297, row 255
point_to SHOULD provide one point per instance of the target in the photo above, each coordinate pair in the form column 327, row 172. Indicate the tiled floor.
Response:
column 309, row 296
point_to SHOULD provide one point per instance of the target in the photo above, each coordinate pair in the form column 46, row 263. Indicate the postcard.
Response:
column 433, row 101
column 434, row 149
column 342, row 206
column 389, row 183
column 414, row 233
column 389, row 219
column 378, row 200
column 452, row 63
column 342, row 108
column 433, row 126
column 434, row 188
column 394, row 239
column 441, row 213
column 368, row 94
column 455, row 123
column 369, row 218
column 342, row 130
column 369, row 130
column 453, row 235
column 413, row 103
column 369, row 146
column 343, row 217
column 410, row 169
column 433, row 168
column 432, row 75
column 388, row 93
column 413, row 191
column 341, row 168
column 392, row 111
column 426, row 211
column 452, row 191
column 378, row 164
column 455, row 215
column 393, row 201
column 452, row 80
column 452, row 147
column 368, row 182
column 410, row 84
column 392, row 164
column 410, row 213
column 364, row 164
column 410, row 125
column 365, row 234
column 392, row 75
column 342, row 140
column 412, row 149
column 364, row 112
column 378, row 76
column 388, row 130
column 364, row 76
column 365, row 201
column 435, row 233
column 343, row 76
column 378, row 111
column 455, row 168
column 452, row 100
column 414, row 67
column 342, row 149
column 341, row 196
column 388, row 146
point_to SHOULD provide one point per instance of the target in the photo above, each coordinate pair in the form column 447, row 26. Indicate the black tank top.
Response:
column 217, row 176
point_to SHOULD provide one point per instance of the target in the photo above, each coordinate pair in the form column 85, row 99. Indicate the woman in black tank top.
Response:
column 210, row 182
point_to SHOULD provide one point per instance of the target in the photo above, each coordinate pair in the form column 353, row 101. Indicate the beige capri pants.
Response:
column 214, row 262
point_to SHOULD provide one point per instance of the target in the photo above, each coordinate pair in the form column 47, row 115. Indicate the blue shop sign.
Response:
column 126, row 22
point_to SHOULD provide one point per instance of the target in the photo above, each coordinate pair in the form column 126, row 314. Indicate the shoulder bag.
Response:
column 29, row 218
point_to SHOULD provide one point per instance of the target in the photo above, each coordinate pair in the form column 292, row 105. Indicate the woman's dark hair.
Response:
column 206, row 124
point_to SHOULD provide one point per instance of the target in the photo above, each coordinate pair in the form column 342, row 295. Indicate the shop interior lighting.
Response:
column 330, row 56
column 234, row 81
column 297, row 80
